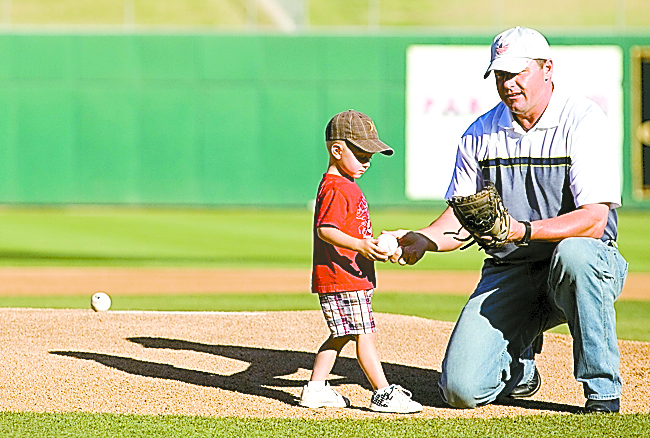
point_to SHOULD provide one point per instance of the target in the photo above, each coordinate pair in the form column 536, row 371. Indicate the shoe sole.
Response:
column 602, row 408
column 346, row 404
column 392, row 411
column 600, row 411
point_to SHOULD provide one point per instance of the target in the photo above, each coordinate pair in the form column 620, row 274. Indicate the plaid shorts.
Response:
column 348, row 313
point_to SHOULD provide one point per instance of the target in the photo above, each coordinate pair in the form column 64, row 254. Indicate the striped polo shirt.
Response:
column 566, row 160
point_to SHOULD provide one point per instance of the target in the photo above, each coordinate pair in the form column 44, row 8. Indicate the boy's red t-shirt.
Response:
column 341, row 204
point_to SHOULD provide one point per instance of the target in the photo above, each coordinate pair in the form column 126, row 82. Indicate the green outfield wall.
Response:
column 210, row 120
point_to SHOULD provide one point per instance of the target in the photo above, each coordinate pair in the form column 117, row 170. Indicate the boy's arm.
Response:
column 366, row 247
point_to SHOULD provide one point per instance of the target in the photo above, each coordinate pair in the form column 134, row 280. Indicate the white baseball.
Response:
column 100, row 302
column 388, row 243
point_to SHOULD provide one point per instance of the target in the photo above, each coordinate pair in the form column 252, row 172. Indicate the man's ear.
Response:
column 548, row 69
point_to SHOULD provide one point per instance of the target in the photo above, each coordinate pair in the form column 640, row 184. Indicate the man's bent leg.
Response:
column 475, row 361
column 495, row 326
column 586, row 277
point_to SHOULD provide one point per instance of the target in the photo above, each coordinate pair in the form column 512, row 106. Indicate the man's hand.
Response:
column 412, row 247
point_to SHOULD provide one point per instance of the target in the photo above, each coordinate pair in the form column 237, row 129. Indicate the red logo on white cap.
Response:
column 501, row 48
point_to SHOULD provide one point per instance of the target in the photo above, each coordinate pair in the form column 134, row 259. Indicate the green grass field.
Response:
column 106, row 236
column 241, row 14
column 632, row 316
column 249, row 238
column 135, row 237
column 104, row 425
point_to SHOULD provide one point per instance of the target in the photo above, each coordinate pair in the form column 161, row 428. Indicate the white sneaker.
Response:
column 325, row 397
column 394, row 399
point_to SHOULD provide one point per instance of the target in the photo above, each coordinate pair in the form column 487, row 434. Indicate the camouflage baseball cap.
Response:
column 358, row 129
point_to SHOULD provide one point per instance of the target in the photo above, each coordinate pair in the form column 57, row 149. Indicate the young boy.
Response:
column 343, row 266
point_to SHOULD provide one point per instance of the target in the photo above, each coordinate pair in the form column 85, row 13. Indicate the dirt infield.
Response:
column 74, row 281
column 244, row 364
column 248, row 365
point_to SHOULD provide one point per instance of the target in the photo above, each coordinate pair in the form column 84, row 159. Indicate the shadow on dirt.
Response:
column 267, row 370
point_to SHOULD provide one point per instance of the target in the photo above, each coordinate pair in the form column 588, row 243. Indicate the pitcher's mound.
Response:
column 249, row 365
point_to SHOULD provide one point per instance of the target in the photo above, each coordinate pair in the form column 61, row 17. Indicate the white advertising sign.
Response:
column 446, row 92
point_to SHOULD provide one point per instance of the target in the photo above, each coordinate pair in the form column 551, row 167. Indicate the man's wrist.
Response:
column 524, row 241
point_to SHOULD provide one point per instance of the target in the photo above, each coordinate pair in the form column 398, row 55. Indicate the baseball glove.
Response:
column 484, row 216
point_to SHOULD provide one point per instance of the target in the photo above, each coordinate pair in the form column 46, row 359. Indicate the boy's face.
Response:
column 352, row 161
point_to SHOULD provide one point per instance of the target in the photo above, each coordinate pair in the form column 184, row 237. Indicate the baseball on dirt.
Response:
column 388, row 243
column 100, row 302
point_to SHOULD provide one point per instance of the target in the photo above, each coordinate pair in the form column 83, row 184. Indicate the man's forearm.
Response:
column 445, row 233
column 587, row 221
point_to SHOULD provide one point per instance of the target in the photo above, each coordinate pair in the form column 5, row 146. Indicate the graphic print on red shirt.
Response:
column 365, row 229
column 340, row 204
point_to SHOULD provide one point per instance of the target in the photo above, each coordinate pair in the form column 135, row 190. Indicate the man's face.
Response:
column 522, row 92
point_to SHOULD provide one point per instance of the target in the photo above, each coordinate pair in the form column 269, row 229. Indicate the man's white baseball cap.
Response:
column 513, row 50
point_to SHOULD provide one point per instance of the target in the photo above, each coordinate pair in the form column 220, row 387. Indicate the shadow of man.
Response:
column 266, row 370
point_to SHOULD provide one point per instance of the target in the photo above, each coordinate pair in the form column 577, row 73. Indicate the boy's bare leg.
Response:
column 369, row 361
column 326, row 357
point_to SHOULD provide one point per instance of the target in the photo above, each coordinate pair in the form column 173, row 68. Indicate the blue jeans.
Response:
column 489, row 351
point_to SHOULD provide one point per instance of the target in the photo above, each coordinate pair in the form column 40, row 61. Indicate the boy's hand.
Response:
column 370, row 250
column 395, row 257
column 366, row 247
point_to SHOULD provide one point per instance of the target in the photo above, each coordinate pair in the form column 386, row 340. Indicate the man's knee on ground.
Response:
column 459, row 393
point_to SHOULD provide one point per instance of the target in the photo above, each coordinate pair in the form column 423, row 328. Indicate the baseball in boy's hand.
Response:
column 388, row 243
